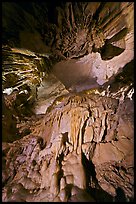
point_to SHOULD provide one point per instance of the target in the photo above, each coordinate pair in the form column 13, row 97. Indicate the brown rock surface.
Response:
column 48, row 172
column 68, row 108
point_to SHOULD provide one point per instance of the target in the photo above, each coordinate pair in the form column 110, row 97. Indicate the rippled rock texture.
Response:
column 68, row 105
column 69, row 29
column 83, row 144
column 99, row 34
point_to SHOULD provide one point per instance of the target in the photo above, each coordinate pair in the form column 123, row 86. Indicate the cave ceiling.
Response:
column 82, row 45
column 67, row 101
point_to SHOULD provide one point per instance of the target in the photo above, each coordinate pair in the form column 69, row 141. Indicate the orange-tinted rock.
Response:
column 81, row 149
column 66, row 157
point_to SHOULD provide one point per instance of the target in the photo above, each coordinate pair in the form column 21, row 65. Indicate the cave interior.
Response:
column 67, row 101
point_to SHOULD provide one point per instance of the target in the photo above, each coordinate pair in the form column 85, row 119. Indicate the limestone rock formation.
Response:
column 68, row 102
column 51, row 165
column 102, row 33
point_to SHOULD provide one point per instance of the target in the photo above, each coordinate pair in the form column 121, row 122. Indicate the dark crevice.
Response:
column 70, row 14
column 120, row 195
column 91, row 173
column 106, row 127
column 108, row 51
column 41, row 143
column 83, row 129
column 90, row 169
column 65, row 139
column 90, row 112
column 96, row 15
column 121, row 34
column 80, row 56
column 60, row 159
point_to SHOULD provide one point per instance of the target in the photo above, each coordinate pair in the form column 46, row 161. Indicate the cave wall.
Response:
column 78, row 144
column 82, row 148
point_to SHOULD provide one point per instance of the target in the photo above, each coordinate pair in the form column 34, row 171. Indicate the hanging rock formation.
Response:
column 68, row 103
column 77, row 134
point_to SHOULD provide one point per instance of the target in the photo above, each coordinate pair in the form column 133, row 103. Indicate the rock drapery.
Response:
column 48, row 165
column 100, row 33
column 68, row 106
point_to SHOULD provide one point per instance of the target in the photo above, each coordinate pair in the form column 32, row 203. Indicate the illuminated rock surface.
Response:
column 68, row 106
column 57, row 155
